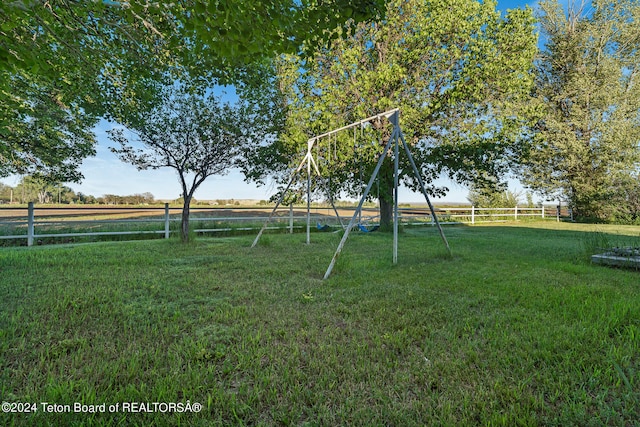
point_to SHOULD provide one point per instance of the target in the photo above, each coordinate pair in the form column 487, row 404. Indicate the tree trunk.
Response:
column 385, row 194
column 42, row 196
column 184, row 230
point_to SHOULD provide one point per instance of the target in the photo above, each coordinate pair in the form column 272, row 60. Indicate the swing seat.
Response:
column 366, row 230
column 323, row 227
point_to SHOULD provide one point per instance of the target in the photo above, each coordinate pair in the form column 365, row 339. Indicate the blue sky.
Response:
column 105, row 174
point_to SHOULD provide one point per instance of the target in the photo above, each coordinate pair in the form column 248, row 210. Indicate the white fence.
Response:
column 36, row 223
column 474, row 214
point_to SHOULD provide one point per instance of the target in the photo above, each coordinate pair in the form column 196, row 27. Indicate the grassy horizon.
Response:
column 516, row 328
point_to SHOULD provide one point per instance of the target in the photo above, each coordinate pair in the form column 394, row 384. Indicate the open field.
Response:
column 517, row 328
column 87, row 223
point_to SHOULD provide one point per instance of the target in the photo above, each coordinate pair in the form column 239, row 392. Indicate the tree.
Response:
column 108, row 59
column 458, row 71
column 6, row 193
column 196, row 135
column 111, row 199
column 492, row 197
column 586, row 141
column 63, row 65
column 224, row 35
column 625, row 207
column 41, row 134
column 35, row 189
column 87, row 199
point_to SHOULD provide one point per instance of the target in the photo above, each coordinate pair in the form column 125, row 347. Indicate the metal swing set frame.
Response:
column 397, row 137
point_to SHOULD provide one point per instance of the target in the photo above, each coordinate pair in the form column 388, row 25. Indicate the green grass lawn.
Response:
column 517, row 328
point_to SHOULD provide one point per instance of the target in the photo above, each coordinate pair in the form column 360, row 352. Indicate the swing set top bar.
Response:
column 386, row 114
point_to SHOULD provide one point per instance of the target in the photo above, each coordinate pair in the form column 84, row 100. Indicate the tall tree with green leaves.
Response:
column 6, row 193
column 458, row 70
column 108, row 58
column 62, row 66
column 588, row 87
column 41, row 134
column 224, row 35
column 196, row 135
column 492, row 197
column 36, row 189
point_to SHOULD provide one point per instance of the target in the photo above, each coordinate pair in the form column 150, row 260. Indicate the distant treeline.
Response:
column 32, row 189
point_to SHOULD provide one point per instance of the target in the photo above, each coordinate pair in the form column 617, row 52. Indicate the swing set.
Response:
column 396, row 138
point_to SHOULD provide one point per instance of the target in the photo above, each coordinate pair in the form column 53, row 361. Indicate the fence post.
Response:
column 542, row 211
column 290, row 218
column 516, row 213
column 166, row 220
column 473, row 214
column 30, row 224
